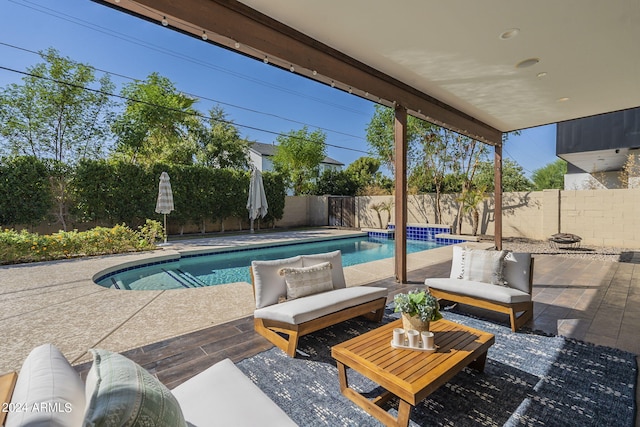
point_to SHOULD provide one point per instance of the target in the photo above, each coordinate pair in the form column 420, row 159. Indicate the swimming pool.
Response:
column 229, row 267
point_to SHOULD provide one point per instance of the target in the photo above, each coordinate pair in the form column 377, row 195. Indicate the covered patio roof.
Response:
column 478, row 68
column 462, row 57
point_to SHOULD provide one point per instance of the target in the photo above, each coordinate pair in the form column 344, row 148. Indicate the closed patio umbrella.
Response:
column 164, row 204
column 257, row 202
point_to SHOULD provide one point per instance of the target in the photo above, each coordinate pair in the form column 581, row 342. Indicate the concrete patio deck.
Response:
column 58, row 301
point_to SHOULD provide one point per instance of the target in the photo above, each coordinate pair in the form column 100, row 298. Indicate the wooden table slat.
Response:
column 409, row 374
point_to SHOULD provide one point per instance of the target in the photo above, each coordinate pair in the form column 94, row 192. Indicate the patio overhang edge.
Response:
column 229, row 23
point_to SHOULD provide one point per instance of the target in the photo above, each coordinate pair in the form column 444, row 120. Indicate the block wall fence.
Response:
column 600, row 217
column 609, row 217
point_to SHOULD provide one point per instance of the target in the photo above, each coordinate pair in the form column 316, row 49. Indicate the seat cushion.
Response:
column 311, row 307
column 486, row 291
column 223, row 396
column 335, row 258
column 121, row 393
column 268, row 284
column 47, row 380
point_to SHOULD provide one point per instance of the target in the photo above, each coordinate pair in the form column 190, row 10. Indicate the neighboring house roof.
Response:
column 270, row 150
column 599, row 143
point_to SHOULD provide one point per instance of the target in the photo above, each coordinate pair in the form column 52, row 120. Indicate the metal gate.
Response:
column 342, row 211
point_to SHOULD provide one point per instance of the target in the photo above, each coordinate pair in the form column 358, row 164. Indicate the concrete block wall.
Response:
column 521, row 215
column 600, row 217
column 296, row 212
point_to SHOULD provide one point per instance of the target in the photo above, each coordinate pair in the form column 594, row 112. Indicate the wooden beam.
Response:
column 400, row 140
column 497, row 213
column 234, row 25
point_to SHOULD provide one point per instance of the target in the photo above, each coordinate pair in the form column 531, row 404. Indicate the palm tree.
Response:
column 471, row 199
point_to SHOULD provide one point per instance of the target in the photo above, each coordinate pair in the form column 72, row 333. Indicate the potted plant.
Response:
column 418, row 308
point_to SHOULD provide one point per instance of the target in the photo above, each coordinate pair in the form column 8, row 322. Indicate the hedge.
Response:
column 116, row 192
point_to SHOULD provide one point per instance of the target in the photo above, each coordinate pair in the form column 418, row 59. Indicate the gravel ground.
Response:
column 584, row 251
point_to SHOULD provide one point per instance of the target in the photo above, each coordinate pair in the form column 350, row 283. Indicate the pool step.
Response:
column 197, row 283
column 185, row 280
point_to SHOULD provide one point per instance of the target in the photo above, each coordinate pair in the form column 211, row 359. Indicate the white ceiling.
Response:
column 452, row 51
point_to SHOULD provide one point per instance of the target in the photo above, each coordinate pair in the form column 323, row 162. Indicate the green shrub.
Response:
column 22, row 246
column 151, row 232
column 25, row 191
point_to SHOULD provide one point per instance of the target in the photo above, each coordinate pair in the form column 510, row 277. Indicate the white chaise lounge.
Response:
column 500, row 281
column 303, row 294
column 118, row 392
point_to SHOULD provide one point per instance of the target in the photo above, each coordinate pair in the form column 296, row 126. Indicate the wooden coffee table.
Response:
column 408, row 374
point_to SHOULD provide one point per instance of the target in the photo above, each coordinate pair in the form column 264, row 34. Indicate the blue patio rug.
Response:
column 529, row 379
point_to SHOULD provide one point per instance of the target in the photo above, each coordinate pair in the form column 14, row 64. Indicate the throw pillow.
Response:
column 305, row 281
column 484, row 266
column 458, row 261
column 120, row 392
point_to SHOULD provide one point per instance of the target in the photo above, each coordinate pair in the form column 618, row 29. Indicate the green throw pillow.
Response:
column 120, row 392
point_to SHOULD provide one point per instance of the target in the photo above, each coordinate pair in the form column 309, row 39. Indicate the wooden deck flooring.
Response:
column 594, row 301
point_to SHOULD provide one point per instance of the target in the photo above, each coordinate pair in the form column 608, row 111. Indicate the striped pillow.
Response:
column 306, row 281
column 484, row 266
column 458, row 262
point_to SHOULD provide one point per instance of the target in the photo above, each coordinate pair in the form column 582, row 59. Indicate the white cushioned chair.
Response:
column 118, row 392
column 500, row 281
column 276, row 315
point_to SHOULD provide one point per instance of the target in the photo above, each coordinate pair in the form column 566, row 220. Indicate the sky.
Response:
column 260, row 99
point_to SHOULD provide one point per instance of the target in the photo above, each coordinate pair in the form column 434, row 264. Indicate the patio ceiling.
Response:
column 451, row 60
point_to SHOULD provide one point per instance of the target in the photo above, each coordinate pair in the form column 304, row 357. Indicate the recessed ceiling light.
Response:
column 542, row 74
column 565, row 99
column 509, row 34
column 527, row 63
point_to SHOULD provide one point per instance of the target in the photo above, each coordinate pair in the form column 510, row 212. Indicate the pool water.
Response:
column 229, row 267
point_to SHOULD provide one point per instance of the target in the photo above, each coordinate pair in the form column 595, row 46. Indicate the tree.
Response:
column 466, row 156
column 219, row 143
column 364, row 171
column 158, row 124
column 550, row 176
column 60, row 112
column 298, row 156
column 383, row 206
column 630, row 173
column 436, row 161
column 513, row 178
column 380, row 135
column 472, row 198
column 337, row 183
column 420, row 181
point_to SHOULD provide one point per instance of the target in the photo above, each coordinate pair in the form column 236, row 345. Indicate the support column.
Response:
column 497, row 213
column 400, row 143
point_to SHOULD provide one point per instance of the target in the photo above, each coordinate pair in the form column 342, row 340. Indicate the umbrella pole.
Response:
column 165, row 229
column 251, row 231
